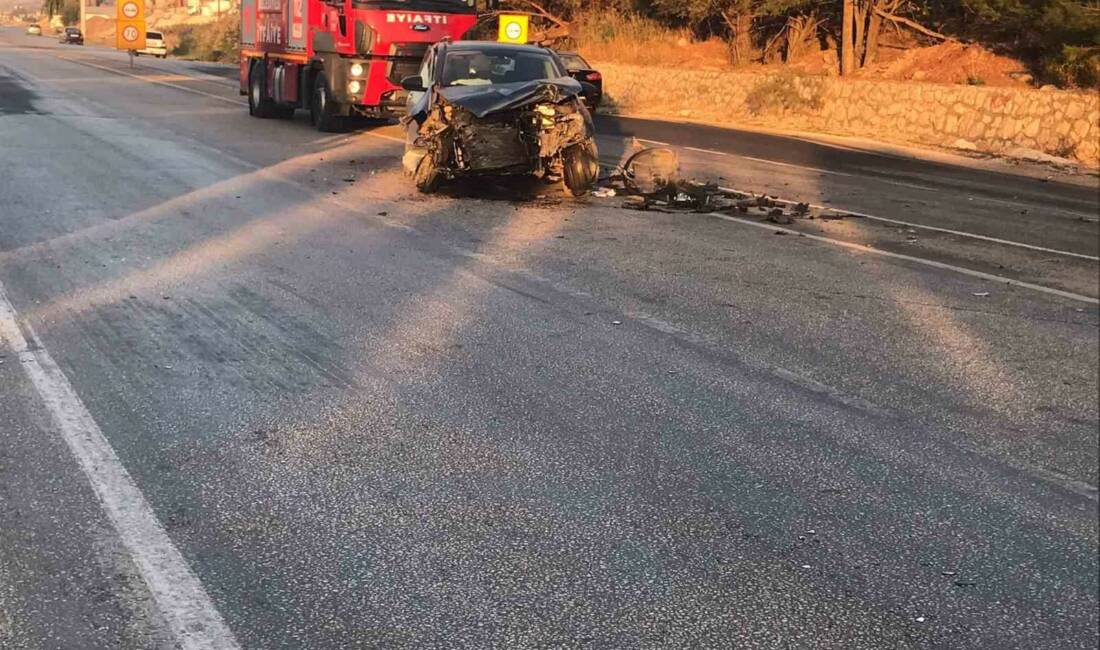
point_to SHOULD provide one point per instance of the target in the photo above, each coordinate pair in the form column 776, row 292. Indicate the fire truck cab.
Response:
column 340, row 58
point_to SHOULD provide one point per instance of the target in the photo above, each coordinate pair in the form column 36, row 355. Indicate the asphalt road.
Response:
column 256, row 392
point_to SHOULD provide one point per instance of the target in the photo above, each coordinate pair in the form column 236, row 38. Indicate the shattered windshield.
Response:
column 489, row 68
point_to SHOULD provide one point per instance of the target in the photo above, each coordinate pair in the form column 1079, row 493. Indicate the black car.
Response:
column 71, row 35
column 493, row 109
column 580, row 70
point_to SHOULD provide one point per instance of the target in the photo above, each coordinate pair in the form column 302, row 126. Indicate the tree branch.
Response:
column 538, row 11
column 915, row 26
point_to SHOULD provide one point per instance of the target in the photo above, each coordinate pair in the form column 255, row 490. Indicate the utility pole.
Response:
column 847, row 38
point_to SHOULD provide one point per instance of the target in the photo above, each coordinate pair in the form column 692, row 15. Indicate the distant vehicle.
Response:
column 154, row 45
column 34, row 30
column 580, row 70
column 490, row 109
column 71, row 35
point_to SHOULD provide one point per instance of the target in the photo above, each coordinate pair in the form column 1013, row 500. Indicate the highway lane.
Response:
column 1053, row 209
column 372, row 419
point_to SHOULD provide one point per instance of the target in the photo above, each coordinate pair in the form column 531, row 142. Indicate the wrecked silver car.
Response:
column 490, row 109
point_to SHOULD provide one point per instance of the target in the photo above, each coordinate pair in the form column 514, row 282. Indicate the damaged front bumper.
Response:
column 539, row 128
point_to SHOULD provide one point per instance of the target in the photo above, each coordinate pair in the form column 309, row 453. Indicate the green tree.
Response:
column 738, row 19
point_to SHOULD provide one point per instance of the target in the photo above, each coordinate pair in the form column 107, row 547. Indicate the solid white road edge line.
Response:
column 909, row 258
column 183, row 602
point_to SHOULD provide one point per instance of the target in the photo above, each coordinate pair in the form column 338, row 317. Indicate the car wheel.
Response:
column 321, row 108
column 581, row 164
column 427, row 176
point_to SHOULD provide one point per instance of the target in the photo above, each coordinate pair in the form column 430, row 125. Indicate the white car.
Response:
column 154, row 45
column 34, row 30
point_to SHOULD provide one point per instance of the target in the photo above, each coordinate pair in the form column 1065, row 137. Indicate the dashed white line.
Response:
column 708, row 151
column 191, row 616
column 158, row 82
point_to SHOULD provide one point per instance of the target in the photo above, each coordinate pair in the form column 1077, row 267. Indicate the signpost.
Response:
column 130, row 27
column 514, row 29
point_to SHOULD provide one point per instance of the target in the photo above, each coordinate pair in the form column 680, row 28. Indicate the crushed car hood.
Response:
column 483, row 100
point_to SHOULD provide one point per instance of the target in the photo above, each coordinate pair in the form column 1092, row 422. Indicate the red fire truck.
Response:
column 340, row 58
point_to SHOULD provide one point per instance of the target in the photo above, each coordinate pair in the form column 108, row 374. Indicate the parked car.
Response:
column 154, row 45
column 71, row 35
column 492, row 109
column 580, row 70
column 34, row 30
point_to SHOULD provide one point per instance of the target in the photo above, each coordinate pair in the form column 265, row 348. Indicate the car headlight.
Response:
column 357, row 69
column 354, row 87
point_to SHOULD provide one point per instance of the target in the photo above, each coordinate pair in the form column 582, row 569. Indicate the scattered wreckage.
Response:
column 650, row 180
column 496, row 110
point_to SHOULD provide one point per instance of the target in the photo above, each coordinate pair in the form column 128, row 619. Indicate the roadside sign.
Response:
column 131, row 10
column 130, row 35
column 514, row 29
column 130, row 25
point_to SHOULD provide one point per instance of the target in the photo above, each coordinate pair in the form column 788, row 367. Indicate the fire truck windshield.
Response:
column 444, row 6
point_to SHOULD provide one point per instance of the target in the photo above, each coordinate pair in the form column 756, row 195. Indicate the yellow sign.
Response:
column 131, row 10
column 130, row 25
column 130, row 35
column 514, row 29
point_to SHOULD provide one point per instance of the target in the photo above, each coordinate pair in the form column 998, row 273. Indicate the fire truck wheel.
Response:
column 321, row 108
column 258, row 105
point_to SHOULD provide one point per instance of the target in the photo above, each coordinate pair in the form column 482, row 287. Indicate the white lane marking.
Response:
column 708, row 151
column 915, row 186
column 190, row 614
column 154, row 81
column 794, row 166
column 656, row 142
column 910, row 224
column 224, row 99
column 383, row 136
column 909, row 258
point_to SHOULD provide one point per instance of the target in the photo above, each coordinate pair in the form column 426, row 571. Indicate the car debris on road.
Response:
column 650, row 180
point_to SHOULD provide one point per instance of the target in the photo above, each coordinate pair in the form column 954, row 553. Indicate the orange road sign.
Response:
column 130, row 25
column 130, row 35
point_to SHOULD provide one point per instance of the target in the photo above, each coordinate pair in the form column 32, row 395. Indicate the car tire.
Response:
column 321, row 108
column 427, row 177
column 581, row 167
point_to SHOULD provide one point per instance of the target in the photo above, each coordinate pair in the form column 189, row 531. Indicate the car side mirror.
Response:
column 413, row 84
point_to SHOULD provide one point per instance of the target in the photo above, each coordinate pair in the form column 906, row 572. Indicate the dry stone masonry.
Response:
column 1008, row 121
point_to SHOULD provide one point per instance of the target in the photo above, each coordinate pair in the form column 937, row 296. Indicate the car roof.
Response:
column 493, row 46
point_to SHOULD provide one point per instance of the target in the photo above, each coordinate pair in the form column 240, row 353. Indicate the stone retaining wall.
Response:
column 996, row 120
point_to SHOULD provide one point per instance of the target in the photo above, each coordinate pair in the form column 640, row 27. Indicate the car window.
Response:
column 487, row 68
column 426, row 69
column 574, row 62
column 154, row 35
